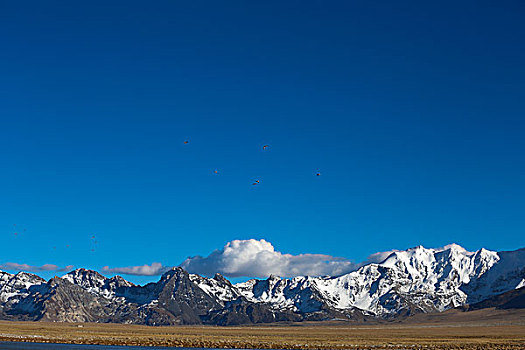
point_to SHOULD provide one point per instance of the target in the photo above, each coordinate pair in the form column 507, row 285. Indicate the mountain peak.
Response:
column 454, row 247
column 220, row 278
column 83, row 271
column 85, row 274
column 26, row 274
column 174, row 271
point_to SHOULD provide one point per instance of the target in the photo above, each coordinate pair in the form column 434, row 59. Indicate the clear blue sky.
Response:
column 414, row 114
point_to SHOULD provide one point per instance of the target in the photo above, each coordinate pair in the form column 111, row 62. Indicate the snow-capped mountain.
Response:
column 403, row 283
column 415, row 280
column 95, row 283
column 16, row 286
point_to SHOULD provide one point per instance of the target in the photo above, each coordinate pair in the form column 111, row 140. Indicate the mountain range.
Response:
column 404, row 283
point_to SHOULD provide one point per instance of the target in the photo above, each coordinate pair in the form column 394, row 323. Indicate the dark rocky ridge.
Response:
column 514, row 299
column 174, row 299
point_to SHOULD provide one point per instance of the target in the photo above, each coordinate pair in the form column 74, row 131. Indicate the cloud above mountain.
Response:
column 10, row 266
column 142, row 270
column 258, row 258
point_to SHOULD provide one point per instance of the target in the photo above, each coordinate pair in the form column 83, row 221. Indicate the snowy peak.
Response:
column 450, row 262
column 453, row 248
column 87, row 279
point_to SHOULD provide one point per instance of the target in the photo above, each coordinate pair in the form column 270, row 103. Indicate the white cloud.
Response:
column 30, row 268
column 143, row 270
column 258, row 258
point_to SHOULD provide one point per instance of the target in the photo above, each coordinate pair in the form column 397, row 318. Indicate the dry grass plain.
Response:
column 484, row 330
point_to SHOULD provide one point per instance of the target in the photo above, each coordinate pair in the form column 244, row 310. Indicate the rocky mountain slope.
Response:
column 513, row 299
column 417, row 280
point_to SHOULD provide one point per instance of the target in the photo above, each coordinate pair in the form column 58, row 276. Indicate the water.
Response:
column 51, row 346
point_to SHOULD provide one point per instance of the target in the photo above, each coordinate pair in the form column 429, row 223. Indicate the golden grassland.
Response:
column 423, row 334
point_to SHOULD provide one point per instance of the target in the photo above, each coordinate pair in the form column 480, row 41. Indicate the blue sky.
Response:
column 413, row 113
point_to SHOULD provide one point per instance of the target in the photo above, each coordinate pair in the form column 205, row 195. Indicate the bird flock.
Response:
column 255, row 182
column 94, row 242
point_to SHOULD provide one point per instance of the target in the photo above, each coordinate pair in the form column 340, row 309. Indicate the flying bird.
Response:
column 265, row 147
column 256, row 182
column 186, row 142
column 216, row 171
column 318, row 174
